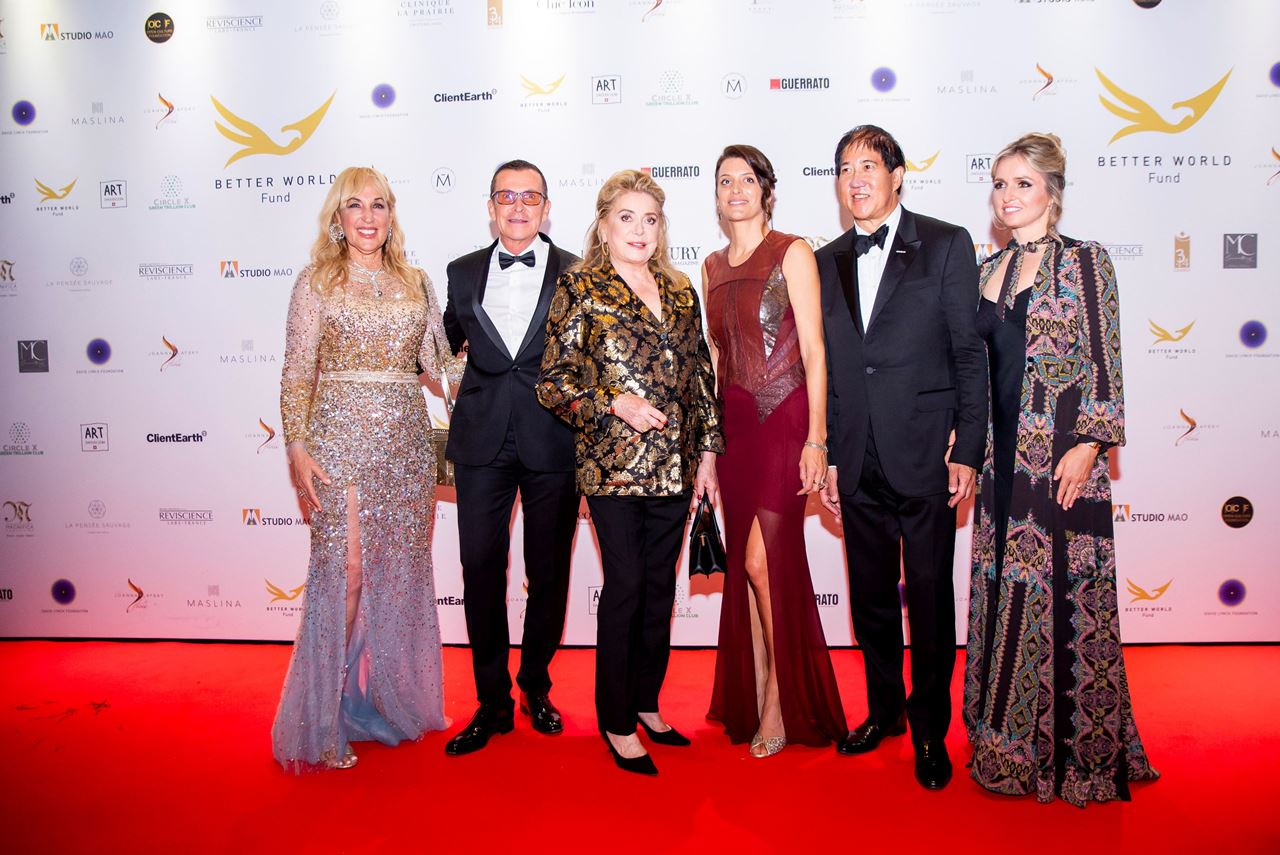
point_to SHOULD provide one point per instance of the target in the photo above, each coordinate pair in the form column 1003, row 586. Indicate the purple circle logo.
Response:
column 1231, row 592
column 883, row 79
column 63, row 592
column 98, row 351
column 24, row 112
column 1275, row 74
column 1253, row 334
column 384, row 95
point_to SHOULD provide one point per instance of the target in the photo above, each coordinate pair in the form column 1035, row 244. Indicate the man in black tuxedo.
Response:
column 501, row 440
column 906, row 428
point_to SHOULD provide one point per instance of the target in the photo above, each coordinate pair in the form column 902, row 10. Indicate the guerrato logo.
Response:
column 1142, row 117
column 253, row 140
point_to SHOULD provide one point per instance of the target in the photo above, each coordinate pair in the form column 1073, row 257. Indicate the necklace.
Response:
column 372, row 275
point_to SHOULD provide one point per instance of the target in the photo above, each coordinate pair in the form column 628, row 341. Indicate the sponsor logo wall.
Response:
column 156, row 209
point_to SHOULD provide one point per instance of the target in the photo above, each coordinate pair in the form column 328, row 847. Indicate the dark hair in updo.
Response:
column 762, row 168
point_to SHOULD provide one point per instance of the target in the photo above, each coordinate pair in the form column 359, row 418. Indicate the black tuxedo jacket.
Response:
column 498, row 386
column 918, row 370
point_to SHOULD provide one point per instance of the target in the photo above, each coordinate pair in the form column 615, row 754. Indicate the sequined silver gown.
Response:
column 349, row 391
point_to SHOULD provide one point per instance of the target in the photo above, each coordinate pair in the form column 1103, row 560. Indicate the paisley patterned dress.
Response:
column 349, row 390
column 1046, row 700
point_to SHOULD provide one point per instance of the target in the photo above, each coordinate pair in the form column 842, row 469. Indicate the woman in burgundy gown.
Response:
column 774, row 681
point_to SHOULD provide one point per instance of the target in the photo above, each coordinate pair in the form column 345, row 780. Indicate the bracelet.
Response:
column 817, row 445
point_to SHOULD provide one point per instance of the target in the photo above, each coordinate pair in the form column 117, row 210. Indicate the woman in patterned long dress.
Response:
column 774, row 681
column 366, row 662
column 1046, row 700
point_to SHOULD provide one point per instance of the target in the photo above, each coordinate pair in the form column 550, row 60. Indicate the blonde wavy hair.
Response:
column 594, row 254
column 1045, row 154
column 329, row 258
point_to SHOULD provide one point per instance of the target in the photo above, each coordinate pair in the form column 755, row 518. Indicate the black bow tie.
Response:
column 862, row 243
column 506, row 259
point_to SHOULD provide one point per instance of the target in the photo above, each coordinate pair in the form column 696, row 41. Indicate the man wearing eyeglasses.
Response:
column 502, row 441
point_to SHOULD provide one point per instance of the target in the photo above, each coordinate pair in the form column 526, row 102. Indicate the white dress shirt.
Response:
column 511, row 295
column 871, row 266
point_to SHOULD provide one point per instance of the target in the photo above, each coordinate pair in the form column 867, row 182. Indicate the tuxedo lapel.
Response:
column 905, row 244
column 538, row 323
column 480, row 278
column 847, row 267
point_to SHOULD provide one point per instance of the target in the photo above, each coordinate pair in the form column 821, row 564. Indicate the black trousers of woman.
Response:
column 640, row 539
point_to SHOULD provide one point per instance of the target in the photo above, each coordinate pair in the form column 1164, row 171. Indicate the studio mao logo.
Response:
column 51, row 197
column 253, row 140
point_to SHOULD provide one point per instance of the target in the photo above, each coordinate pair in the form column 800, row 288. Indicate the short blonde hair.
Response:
column 1045, row 154
column 627, row 181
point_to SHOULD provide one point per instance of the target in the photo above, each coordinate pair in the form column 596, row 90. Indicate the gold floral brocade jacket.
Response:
column 602, row 342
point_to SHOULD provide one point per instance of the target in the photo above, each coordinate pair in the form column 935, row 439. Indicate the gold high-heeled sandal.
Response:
column 348, row 761
column 762, row 747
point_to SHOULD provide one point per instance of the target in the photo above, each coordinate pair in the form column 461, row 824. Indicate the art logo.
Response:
column 978, row 168
column 606, row 89
column 33, row 356
column 1163, row 335
column 1182, row 251
column 1142, row 117
column 113, row 194
column 1231, row 593
column 1240, row 251
column 279, row 594
column 158, row 28
column 593, row 598
column 253, row 140
column 1237, row 512
column 733, row 85
column 48, row 194
column 94, row 437
column 1141, row 594
column 17, row 519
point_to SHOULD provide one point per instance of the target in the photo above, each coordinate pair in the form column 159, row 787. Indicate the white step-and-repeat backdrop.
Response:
column 146, row 259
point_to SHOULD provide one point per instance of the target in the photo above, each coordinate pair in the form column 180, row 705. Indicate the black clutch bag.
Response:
column 706, row 549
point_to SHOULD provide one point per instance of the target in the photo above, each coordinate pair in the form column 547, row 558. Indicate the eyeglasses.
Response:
column 532, row 198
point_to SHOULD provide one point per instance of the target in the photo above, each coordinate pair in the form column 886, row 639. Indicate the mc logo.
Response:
column 253, row 140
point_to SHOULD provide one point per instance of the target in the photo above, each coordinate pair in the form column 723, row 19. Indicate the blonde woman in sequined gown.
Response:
column 366, row 663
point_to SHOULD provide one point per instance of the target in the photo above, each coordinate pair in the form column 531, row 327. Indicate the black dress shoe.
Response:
column 670, row 736
column 642, row 765
column 933, row 766
column 488, row 721
column 866, row 736
column 543, row 713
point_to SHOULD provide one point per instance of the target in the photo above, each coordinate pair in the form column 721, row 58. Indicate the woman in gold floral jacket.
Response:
column 627, row 365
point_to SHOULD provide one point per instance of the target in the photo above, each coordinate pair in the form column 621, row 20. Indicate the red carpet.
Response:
column 112, row 747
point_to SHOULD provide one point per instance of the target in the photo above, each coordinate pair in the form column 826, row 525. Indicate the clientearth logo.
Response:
column 253, row 140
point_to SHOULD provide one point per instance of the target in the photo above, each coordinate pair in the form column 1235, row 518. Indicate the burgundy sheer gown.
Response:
column 766, row 421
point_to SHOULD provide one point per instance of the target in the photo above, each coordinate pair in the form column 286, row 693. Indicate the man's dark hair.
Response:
column 878, row 140
column 518, row 165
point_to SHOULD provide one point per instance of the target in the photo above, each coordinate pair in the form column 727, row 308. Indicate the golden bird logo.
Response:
column 253, row 140
column 48, row 194
column 1143, row 117
column 168, row 105
column 173, row 352
column 531, row 89
column 924, row 164
column 1048, row 81
column 1140, row 593
column 271, row 434
column 278, row 593
column 137, row 598
column 1191, row 427
column 1162, row 334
